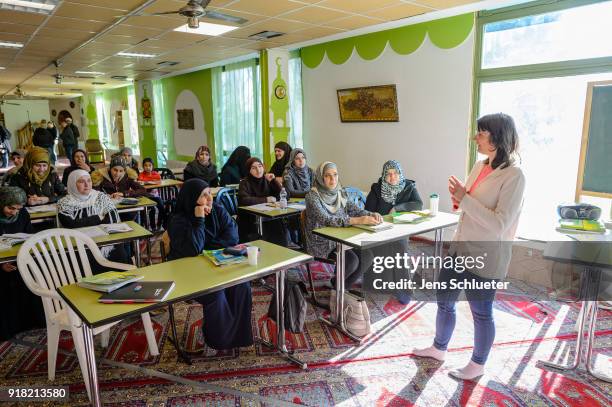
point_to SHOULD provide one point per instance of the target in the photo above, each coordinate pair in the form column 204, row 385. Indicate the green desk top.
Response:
column 274, row 213
column 138, row 232
column 359, row 238
column 142, row 202
column 193, row 277
column 44, row 215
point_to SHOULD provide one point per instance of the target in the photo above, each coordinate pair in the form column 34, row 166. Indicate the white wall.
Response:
column 16, row 117
column 434, row 88
column 188, row 141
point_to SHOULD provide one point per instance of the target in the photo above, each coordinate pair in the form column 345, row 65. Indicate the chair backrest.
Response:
column 356, row 196
column 303, row 231
column 54, row 258
column 165, row 173
column 93, row 146
column 227, row 198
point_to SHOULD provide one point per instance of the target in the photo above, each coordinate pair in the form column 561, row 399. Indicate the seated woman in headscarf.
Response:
column 79, row 161
column 393, row 192
column 298, row 176
column 199, row 224
column 327, row 205
column 115, row 181
column 282, row 151
column 130, row 161
column 83, row 206
column 257, row 188
column 235, row 167
column 38, row 178
column 21, row 309
column 202, row 167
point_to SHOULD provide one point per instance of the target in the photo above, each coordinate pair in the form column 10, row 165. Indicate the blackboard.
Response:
column 595, row 170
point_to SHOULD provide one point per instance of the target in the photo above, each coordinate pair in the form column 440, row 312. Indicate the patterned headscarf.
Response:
column 34, row 156
column 11, row 196
column 389, row 192
column 75, row 204
column 333, row 199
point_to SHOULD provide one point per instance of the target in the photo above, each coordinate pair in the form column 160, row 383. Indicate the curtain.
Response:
column 134, row 141
column 161, row 136
column 295, row 101
column 237, row 109
column 103, row 120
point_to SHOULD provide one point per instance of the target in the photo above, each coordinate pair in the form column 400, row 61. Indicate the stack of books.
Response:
column 581, row 226
column 218, row 258
column 9, row 240
column 109, row 281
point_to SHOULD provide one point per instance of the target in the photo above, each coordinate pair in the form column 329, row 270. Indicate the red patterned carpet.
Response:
column 380, row 372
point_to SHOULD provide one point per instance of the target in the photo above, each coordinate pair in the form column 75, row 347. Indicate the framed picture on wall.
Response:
column 368, row 104
column 185, row 119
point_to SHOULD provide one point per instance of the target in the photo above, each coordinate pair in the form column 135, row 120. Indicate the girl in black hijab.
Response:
column 282, row 151
column 258, row 188
column 202, row 167
column 79, row 161
column 235, row 168
column 199, row 224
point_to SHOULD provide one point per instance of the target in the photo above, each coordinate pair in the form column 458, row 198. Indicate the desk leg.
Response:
column 147, row 220
column 259, row 222
column 591, row 329
column 137, row 252
column 92, row 372
column 174, row 339
column 150, row 260
column 338, row 319
column 280, row 323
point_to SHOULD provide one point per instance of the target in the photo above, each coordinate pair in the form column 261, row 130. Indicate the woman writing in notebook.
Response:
column 490, row 203
column 198, row 224
column 327, row 205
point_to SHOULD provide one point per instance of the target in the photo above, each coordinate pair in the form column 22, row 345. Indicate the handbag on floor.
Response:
column 356, row 313
column 295, row 306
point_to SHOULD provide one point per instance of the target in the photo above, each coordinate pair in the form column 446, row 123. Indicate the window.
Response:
column 161, row 136
column 103, row 123
column 536, row 67
column 237, row 109
column 133, row 142
column 295, row 101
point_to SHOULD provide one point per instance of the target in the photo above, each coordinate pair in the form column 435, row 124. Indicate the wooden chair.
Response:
column 95, row 151
column 57, row 257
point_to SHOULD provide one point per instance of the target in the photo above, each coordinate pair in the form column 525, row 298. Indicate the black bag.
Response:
column 5, row 134
column 295, row 306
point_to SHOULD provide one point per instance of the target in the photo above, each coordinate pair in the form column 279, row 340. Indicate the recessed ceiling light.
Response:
column 8, row 44
column 1, row 67
column 135, row 55
column 88, row 73
column 30, row 4
column 206, row 29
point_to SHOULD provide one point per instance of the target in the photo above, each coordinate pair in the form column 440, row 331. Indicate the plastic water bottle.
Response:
column 283, row 199
column 434, row 200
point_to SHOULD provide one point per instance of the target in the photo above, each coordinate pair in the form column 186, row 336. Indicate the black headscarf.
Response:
column 279, row 165
column 258, row 186
column 188, row 196
column 78, row 150
column 238, row 158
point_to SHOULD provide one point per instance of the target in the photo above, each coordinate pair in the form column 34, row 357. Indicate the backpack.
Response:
column 295, row 306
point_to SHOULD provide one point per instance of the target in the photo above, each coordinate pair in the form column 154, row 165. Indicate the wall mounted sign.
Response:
column 368, row 104
column 185, row 119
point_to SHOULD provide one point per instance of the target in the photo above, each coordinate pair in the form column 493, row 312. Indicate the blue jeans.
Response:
column 69, row 150
column 481, row 305
column 52, row 156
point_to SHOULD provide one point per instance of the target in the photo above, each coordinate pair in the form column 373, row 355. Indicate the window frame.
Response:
column 532, row 71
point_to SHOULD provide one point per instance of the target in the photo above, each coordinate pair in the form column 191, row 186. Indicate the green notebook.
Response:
column 109, row 281
column 581, row 226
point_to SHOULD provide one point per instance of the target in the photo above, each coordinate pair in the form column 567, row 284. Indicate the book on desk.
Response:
column 139, row 292
column 109, row 281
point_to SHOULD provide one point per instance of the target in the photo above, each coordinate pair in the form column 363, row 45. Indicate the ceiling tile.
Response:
column 137, row 34
column 80, row 36
column 84, row 12
column 155, row 22
column 14, row 37
column 222, row 42
column 442, row 4
column 126, row 5
column 273, row 24
column 251, row 18
column 17, row 28
column 269, row 8
column 126, row 40
column 161, row 6
column 353, row 22
column 358, row 6
column 314, row 15
column 59, row 23
column 319, row 32
column 17, row 17
column 398, row 12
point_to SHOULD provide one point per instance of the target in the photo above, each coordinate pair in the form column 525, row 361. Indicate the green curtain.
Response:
column 237, row 109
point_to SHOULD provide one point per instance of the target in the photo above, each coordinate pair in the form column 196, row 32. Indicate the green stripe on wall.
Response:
column 444, row 33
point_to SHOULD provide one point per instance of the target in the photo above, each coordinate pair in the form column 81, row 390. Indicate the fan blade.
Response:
column 162, row 13
column 203, row 3
column 220, row 16
column 14, row 104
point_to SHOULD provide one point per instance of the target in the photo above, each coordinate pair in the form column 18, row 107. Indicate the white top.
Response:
column 490, row 213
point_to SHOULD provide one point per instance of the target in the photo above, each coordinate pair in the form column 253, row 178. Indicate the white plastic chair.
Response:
column 48, row 260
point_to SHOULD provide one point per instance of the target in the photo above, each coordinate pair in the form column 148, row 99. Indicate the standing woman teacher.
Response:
column 490, row 203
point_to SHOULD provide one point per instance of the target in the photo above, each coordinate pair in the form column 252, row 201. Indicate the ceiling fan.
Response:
column 194, row 9
column 4, row 101
column 19, row 92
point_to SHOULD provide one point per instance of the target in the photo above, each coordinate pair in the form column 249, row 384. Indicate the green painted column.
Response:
column 91, row 115
column 276, row 101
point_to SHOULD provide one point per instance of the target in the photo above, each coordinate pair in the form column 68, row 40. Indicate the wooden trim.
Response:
column 584, row 145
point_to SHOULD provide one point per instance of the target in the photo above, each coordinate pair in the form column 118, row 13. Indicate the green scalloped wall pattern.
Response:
column 445, row 33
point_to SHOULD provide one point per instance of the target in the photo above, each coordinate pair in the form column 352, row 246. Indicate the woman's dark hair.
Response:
column 503, row 136
column 239, row 158
column 78, row 150
column 148, row 160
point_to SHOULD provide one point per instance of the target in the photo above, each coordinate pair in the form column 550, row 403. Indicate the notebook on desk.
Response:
column 139, row 292
column 376, row 228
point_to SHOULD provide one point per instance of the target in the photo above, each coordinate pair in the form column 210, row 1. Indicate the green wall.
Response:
column 200, row 83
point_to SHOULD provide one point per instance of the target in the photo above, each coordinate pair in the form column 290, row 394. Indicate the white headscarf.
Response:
column 75, row 204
